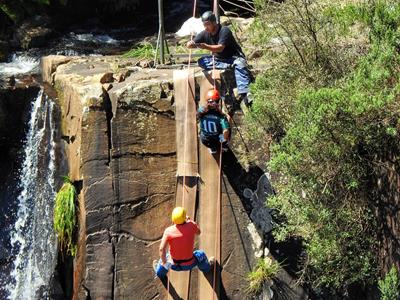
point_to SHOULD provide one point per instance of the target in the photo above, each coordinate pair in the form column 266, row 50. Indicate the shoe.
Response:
column 211, row 261
column 212, row 151
column 155, row 263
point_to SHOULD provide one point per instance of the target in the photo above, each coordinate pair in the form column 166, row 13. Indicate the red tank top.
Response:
column 180, row 239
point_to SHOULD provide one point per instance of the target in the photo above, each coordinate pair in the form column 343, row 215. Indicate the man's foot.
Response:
column 212, row 151
column 211, row 261
column 155, row 263
column 246, row 99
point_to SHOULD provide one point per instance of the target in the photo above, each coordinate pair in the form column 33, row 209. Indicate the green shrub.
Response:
column 17, row 10
column 334, row 121
column 265, row 270
column 390, row 285
column 65, row 217
column 144, row 50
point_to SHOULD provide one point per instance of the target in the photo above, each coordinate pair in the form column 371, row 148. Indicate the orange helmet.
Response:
column 213, row 95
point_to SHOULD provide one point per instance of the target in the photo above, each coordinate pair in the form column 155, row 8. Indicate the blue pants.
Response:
column 201, row 261
column 242, row 73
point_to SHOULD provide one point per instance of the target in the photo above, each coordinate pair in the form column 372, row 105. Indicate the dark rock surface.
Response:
column 33, row 33
column 121, row 145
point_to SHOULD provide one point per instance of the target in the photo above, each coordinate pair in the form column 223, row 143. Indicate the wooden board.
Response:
column 186, row 124
column 186, row 187
column 186, row 197
column 209, row 208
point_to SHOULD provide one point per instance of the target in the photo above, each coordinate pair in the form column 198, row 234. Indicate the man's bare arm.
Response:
column 198, row 231
column 213, row 48
column 163, row 250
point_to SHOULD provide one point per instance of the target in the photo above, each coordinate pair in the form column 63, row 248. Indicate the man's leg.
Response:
column 242, row 75
column 159, row 269
column 209, row 142
column 202, row 261
column 206, row 63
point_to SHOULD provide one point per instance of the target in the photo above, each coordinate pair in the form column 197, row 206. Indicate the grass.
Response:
column 389, row 286
column 265, row 270
column 143, row 50
column 65, row 216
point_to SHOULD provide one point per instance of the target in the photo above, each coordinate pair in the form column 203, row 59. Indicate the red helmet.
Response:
column 213, row 95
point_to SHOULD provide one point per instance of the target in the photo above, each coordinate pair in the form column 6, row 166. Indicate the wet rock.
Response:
column 49, row 65
column 34, row 33
column 260, row 213
column 4, row 50
column 107, row 78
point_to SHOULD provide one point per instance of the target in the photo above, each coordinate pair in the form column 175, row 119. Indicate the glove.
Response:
column 222, row 138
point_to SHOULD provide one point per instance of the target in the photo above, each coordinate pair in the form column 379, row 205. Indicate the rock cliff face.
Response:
column 119, row 128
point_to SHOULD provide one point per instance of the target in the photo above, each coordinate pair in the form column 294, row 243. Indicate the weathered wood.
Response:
column 186, row 187
column 186, row 127
column 209, row 207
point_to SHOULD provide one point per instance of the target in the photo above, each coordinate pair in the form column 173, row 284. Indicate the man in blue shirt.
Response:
column 214, row 126
column 227, row 52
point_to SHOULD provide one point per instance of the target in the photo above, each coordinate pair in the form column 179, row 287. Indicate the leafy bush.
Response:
column 17, row 10
column 390, row 285
column 265, row 270
column 144, row 50
column 334, row 114
column 65, row 216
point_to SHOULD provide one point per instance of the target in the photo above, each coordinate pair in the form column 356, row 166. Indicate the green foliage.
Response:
column 265, row 270
column 9, row 12
column 333, row 117
column 390, row 285
column 17, row 10
column 65, row 216
column 144, row 50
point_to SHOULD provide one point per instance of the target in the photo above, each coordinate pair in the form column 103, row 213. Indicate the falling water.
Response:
column 20, row 64
column 33, row 239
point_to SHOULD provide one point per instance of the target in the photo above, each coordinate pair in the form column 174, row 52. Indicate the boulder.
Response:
column 34, row 33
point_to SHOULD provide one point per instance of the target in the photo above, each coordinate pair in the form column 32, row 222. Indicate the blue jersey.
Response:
column 212, row 122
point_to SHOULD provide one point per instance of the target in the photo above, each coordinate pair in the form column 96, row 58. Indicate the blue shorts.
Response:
column 200, row 261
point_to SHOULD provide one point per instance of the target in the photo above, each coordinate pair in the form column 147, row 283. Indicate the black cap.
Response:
column 208, row 16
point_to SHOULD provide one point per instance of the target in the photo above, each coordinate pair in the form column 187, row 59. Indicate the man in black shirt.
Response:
column 227, row 52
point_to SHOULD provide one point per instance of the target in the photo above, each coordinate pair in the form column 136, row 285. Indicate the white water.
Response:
column 33, row 239
column 94, row 38
column 19, row 64
column 190, row 26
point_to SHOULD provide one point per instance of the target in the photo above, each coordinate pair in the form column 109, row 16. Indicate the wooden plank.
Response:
column 186, row 127
column 185, row 197
column 209, row 207
column 186, row 187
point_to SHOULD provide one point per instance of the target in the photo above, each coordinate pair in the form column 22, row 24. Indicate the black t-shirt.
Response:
column 224, row 37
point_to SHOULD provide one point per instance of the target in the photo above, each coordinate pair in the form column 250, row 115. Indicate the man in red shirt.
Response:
column 180, row 240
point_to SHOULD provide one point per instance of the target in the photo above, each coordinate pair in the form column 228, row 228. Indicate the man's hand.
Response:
column 191, row 44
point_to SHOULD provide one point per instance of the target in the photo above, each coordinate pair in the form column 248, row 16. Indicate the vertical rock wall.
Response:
column 120, row 140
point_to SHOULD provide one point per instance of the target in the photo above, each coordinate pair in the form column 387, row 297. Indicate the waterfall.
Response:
column 33, row 239
column 20, row 63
